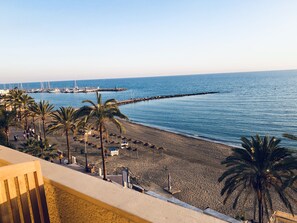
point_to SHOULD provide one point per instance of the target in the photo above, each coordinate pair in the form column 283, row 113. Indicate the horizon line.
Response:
column 152, row 76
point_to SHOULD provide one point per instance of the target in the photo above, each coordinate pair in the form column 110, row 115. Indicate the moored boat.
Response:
column 54, row 90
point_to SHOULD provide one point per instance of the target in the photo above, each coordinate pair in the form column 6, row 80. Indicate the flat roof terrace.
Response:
column 76, row 197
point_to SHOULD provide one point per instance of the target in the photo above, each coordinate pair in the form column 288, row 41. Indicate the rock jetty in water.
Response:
column 135, row 100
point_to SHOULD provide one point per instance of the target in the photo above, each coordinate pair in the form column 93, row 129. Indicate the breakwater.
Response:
column 136, row 100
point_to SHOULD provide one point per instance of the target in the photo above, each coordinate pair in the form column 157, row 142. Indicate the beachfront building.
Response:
column 3, row 92
column 113, row 151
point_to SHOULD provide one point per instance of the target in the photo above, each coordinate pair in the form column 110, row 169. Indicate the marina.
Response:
column 73, row 90
column 46, row 88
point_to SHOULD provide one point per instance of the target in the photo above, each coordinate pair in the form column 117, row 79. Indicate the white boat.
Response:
column 54, row 90
column 66, row 90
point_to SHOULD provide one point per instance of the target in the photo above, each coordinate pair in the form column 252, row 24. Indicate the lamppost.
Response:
column 86, row 155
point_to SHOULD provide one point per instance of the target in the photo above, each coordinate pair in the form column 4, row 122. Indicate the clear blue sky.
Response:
column 71, row 39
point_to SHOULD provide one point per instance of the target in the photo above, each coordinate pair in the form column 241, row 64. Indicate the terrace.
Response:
column 76, row 197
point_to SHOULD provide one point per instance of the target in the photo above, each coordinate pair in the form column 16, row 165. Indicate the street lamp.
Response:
column 86, row 155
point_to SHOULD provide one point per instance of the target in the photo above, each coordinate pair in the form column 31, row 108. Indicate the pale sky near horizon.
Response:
column 74, row 39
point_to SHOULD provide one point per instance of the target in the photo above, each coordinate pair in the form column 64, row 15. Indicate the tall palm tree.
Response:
column 13, row 100
column 3, row 101
column 43, row 110
column 32, row 114
column 293, row 181
column 26, row 101
column 101, row 113
column 64, row 120
column 260, row 168
column 86, row 127
column 6, row 120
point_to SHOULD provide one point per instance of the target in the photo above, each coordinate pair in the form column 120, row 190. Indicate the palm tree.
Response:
column 101, row 113
column 13, row 100
column 4, row 102
column 294, row 179
column 38, row 149
column 6, row 120
column 26, row 101
column 64, row 120
column 43, row 110
column 32, row 114
column 86, row 127
column 260, row 168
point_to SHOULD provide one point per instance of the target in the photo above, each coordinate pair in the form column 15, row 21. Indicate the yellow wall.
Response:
column 67, row 205
column 77, row 197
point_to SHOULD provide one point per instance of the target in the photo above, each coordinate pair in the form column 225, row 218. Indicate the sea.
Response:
column 247, row 104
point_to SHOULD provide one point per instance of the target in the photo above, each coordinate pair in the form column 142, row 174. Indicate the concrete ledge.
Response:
column 76, row 197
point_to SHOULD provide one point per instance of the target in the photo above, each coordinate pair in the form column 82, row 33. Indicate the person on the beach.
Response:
column 60, row 157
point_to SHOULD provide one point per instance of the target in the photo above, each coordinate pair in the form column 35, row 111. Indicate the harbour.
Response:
column 45, row 87
column 72, row 90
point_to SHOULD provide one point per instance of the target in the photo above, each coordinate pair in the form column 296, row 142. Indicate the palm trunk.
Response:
column 68, row 148
column 20, row 114
column 43, row 125
column 86, row 156
column 16, row 114
column 260, row 204
column 260, row 211
column 26, row 122
column 34, row 127
column 102, row 154
column 6, row 134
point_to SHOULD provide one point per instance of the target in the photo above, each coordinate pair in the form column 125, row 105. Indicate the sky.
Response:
column 76, row 39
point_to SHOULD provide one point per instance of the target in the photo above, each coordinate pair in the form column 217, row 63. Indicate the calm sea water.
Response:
column 248, row 103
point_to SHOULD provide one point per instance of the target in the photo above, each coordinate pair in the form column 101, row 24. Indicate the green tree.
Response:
column 101, row 113
column 85, row 127
column 260, row 168
column 25, row 101
column 32, row 114
column 43, row 110
column 6, row 120
column 12, row 99
column 64, row 120
column 39, row 149
column 293, row 182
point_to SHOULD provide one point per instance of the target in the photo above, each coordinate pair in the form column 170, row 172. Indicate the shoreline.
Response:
column 160, row 128
column 194, row 164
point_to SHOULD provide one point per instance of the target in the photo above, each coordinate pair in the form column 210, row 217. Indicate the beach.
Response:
column 193, row 164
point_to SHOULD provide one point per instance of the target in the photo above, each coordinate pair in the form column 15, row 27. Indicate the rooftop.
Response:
column 73, row 196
